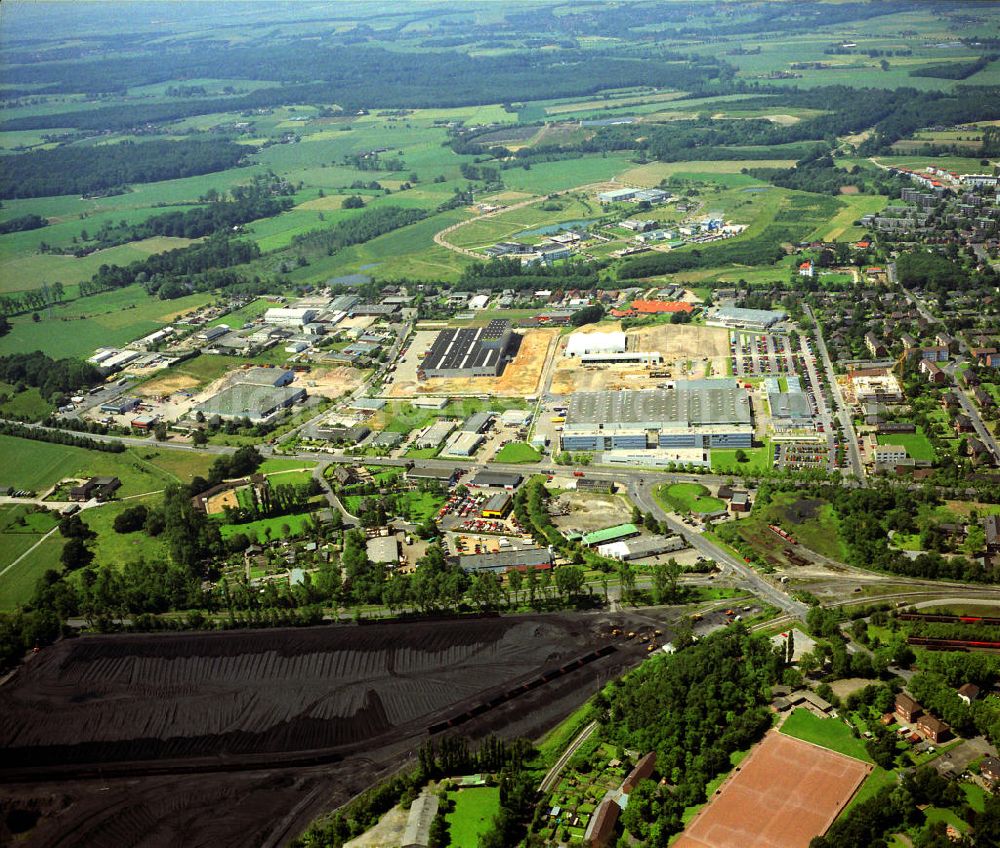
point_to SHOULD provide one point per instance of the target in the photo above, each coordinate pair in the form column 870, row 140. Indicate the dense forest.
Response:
column 354, row 78
column 84, row 170
column 693, row 709
column 22, row 223
column 53, row 378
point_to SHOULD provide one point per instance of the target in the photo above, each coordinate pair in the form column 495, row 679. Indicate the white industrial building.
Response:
column 282, row 317
column 659, row 457
column 640, row 357
column 435, row 434
column 580, row 344
column 463, row 444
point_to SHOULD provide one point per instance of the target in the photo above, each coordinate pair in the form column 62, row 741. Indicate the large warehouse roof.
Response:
column 580, row 343
column 474, row 347
column 701, row 402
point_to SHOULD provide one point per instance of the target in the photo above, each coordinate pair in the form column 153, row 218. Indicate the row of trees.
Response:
column 54, row 379
column 84, row 170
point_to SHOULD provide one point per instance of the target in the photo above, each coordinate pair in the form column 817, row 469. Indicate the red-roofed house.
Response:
column 806, row 269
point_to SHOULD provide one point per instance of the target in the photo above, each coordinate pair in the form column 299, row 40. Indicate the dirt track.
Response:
column 240, row 738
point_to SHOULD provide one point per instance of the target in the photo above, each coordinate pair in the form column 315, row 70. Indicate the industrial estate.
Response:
column 491, row 425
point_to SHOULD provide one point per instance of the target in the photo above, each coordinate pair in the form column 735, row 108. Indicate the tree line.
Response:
column 83, row 170
column 246, row 204
column 54, row 379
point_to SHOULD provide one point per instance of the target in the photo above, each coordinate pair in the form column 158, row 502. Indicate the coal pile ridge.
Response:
column 240, row 738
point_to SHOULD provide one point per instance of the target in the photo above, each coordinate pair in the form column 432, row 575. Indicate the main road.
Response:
column 843, row 413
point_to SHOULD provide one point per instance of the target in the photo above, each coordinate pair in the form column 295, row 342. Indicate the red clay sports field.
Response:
column 785, row 793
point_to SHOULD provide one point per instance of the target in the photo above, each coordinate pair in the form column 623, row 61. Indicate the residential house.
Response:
column 906, row 708
column 938, row 353
column 932, row 728
column 967, row 693
column 933, row 372
column 963, row 424
column 875, row 346
column 991, row 527
column 989, row 768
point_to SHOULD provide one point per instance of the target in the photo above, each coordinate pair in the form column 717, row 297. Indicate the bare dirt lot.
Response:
column 167, row 385
column 802, row 788
column 520, row 378
column 333, row 382
column 218, row 503
column 240, row 738
column 705, row 348
column 591, row 511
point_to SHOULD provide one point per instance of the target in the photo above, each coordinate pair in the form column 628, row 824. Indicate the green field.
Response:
column 111, row 318
column 35, row 466
column 826, row 732
column 258, row 529
column 517, row 452
column 759, row 460
column 472, row 816
column 111, row 548
column 917, row 445
column 28, row 404
column 689, row 497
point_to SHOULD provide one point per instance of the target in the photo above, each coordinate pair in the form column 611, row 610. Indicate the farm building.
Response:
column 472, row 352
column 101, row 488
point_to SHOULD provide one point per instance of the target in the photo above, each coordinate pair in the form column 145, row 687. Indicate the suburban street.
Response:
column 843, row 413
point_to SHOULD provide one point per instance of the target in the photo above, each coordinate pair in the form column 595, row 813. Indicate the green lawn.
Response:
column 111, row 548
column 27, row 404
column 35, row 465
column 79, row 327
column 917, row 444
column 878, row 778
column 517, row 452
column 473, row 815
column 759, row 460
column 270, row 466
column 826, row 732
column 689, row 497
column 257, row 529
column 18, row 585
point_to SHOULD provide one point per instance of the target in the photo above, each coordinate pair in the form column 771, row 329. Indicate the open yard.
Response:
column 473, row 814
column 588, row 511
column 917, row 445
column 826, row 732
column 517, row 452
column 689, row 497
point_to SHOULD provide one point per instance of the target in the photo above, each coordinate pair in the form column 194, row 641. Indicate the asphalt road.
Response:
column 843, row 413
